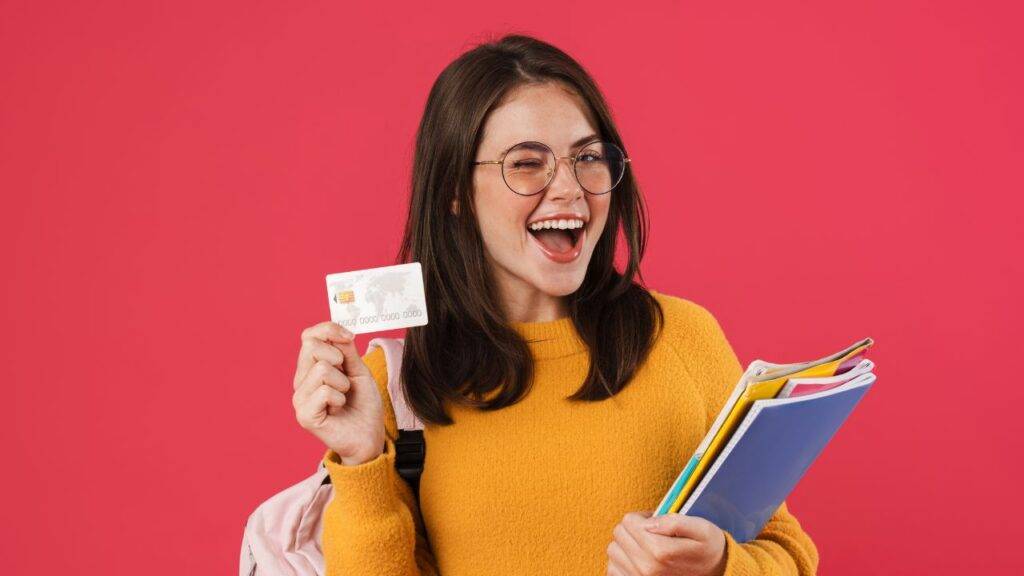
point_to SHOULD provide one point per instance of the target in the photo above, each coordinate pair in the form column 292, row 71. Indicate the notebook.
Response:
column 803, row 386
column 767, row 455
column 760, row 381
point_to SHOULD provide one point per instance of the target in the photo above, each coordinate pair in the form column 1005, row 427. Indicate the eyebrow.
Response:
column 575, row 144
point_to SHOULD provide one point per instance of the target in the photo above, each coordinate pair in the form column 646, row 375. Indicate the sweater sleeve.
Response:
column 372, row 525
column 782, row 547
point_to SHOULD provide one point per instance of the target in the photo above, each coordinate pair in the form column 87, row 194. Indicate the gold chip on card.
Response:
column 345, row 296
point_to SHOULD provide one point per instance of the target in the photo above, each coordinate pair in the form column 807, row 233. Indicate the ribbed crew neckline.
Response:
column 550, row 338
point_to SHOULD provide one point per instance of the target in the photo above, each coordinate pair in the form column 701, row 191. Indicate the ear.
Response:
column 455, row 207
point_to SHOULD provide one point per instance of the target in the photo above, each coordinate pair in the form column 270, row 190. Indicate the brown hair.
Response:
column 468, row 350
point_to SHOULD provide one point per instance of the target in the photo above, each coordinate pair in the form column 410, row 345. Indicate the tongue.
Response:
column 555, row 240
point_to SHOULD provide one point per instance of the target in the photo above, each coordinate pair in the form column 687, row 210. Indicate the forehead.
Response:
column 550, row 113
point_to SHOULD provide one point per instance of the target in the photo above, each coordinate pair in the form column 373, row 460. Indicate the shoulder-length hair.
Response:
column 468, row 350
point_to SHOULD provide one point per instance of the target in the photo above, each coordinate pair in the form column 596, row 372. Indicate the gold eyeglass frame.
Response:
column 551, row 176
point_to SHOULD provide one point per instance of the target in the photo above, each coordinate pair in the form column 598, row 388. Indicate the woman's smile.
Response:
column 559, row 237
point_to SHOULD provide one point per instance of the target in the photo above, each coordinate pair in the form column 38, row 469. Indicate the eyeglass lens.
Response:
column 529, row 167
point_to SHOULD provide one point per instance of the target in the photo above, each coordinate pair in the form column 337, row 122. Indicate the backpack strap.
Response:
column 393, row 351
column 410, row 448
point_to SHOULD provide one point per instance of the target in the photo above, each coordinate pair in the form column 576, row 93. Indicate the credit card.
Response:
column 378, row 299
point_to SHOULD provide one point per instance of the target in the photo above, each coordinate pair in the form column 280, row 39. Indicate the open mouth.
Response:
column 559, row 244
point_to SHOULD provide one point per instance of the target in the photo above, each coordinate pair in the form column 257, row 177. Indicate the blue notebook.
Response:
column 767, row 455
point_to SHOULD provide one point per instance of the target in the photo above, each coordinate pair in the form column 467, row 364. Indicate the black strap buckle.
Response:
column 410, row 452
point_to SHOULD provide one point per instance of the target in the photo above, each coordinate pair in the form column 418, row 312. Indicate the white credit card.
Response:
column 377, row 299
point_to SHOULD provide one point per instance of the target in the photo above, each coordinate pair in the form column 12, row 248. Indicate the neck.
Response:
column 523, row 302
column 538, row 307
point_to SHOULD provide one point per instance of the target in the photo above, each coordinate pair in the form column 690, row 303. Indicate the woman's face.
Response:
column 530, row 266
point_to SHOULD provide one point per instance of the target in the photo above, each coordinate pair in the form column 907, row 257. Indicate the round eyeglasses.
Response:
column 528, row 167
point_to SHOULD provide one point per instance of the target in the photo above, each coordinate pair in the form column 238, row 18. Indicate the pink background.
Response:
column 179, row 177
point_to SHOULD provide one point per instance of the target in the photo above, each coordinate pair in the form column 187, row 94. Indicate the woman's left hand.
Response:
column 670, row 544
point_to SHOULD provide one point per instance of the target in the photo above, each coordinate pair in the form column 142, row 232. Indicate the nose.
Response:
column 564, row 185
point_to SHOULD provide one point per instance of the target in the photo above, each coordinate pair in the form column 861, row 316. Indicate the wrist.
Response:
column 364, row 457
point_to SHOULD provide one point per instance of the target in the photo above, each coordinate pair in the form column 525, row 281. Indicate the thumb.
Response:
column 672, row 524
column 352, row 363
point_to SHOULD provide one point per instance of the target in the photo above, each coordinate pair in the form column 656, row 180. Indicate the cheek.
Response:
column 502, row 216
column 599, row 207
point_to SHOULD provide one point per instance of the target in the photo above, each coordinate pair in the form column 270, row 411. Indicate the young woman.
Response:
column 560, row 398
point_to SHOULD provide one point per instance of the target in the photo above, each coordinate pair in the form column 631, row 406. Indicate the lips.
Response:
column 560, row 251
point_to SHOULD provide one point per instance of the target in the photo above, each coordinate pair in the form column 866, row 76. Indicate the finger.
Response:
column 671, row 550
column 329, row 396
column 679, row 525
column 321, row 373
column 633, row 524
column 327, row 331
column 324, row 332
column 614, row 570
column 618, row 561
column 352, row 363
column 311, row 351
column 640, row 559
column 662, row 549
column 319, row 402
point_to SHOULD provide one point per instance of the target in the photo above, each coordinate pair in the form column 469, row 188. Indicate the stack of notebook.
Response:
column 773, row 426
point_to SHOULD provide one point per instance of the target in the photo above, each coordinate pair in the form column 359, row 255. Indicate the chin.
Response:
column 560, row 284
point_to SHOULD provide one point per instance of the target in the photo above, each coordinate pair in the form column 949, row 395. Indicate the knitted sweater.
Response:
column 537, row 487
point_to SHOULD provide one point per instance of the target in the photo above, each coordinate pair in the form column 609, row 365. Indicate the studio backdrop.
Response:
column 177, row 179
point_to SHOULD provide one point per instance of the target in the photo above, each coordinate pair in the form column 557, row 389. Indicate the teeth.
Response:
column 560, row 224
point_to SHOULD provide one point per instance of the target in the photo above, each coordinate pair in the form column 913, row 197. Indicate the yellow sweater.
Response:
column 536, row 488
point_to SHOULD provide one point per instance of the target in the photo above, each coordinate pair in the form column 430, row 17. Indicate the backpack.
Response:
column 284, row 535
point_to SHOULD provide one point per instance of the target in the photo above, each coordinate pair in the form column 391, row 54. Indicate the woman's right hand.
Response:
column 336, row 397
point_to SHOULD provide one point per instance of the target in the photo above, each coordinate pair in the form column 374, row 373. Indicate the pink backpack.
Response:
column 283, row 535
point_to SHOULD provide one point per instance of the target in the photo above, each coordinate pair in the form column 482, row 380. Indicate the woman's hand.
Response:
column 670, row 544
column 336, row 397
